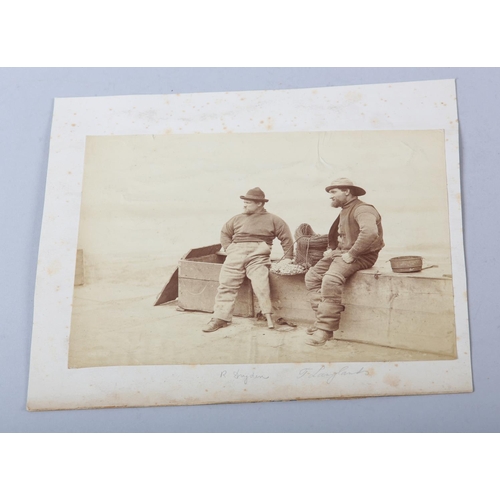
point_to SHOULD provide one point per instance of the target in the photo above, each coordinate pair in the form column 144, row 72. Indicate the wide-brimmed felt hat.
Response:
column 343, row 182
column 255, row 194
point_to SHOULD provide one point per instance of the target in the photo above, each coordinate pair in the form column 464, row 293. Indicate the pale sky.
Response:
column 162, row 195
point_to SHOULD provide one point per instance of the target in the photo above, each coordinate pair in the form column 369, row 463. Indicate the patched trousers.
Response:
column 325, row 283
column 250, row 259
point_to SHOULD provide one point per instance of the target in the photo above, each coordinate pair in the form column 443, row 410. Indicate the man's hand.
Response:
column 328, row 254
column 347, row 258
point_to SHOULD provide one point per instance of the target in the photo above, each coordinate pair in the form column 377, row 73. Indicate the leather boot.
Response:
column 311, row 329
column 319, row 338
column 215, row 324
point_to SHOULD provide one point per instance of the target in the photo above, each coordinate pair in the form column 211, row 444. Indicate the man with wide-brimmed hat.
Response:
column 247, row 239
column 354, row 242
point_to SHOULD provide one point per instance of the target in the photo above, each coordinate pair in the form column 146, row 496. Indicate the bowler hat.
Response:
column 346, row 183
column 255, row 194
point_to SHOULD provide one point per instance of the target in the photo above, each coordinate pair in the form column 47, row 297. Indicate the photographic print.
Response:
column 252, row 246
column 153, row 208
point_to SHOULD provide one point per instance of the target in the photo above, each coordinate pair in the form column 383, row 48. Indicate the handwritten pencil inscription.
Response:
column 323, row 374
column 242, row 376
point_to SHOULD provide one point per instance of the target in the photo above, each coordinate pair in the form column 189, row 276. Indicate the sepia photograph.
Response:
column 263, row 248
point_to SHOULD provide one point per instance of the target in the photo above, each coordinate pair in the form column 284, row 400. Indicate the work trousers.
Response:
column 250, row 259
column 325, row 284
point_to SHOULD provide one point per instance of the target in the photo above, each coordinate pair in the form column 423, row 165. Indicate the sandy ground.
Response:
column 114, row 325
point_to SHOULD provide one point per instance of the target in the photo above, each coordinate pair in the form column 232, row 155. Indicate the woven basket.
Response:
column 309, row 246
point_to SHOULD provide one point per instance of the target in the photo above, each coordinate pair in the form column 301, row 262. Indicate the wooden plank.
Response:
column 289, row 298
column 199, row 295
column 287, row 286
column 423, row 331
column 385, row 291
column 365, row 324
column 244, row 305
column 402, row 329
column 431, row 303
column 213, row 258
column 293, row 313
column 200, row 252
column 199, row 270
column 170, row 290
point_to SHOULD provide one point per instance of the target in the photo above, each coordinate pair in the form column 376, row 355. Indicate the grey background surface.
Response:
column 26, row 101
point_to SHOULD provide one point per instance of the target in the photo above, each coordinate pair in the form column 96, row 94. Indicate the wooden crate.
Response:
column 199, row 272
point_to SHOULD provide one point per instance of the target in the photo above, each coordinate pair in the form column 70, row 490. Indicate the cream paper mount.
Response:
column 135, row 182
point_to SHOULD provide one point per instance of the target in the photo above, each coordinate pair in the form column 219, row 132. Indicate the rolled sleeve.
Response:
column 284, row 234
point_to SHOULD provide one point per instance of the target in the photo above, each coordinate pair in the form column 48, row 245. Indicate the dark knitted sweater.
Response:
column 260, row 226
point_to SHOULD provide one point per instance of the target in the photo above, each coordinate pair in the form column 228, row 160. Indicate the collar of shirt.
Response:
column 349, row 203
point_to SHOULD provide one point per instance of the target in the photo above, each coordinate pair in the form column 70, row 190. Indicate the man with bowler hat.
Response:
column 247, row 239
column 354, row 242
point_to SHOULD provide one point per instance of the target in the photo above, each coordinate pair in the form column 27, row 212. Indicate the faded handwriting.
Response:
column 329, row 376
column 245, row 377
